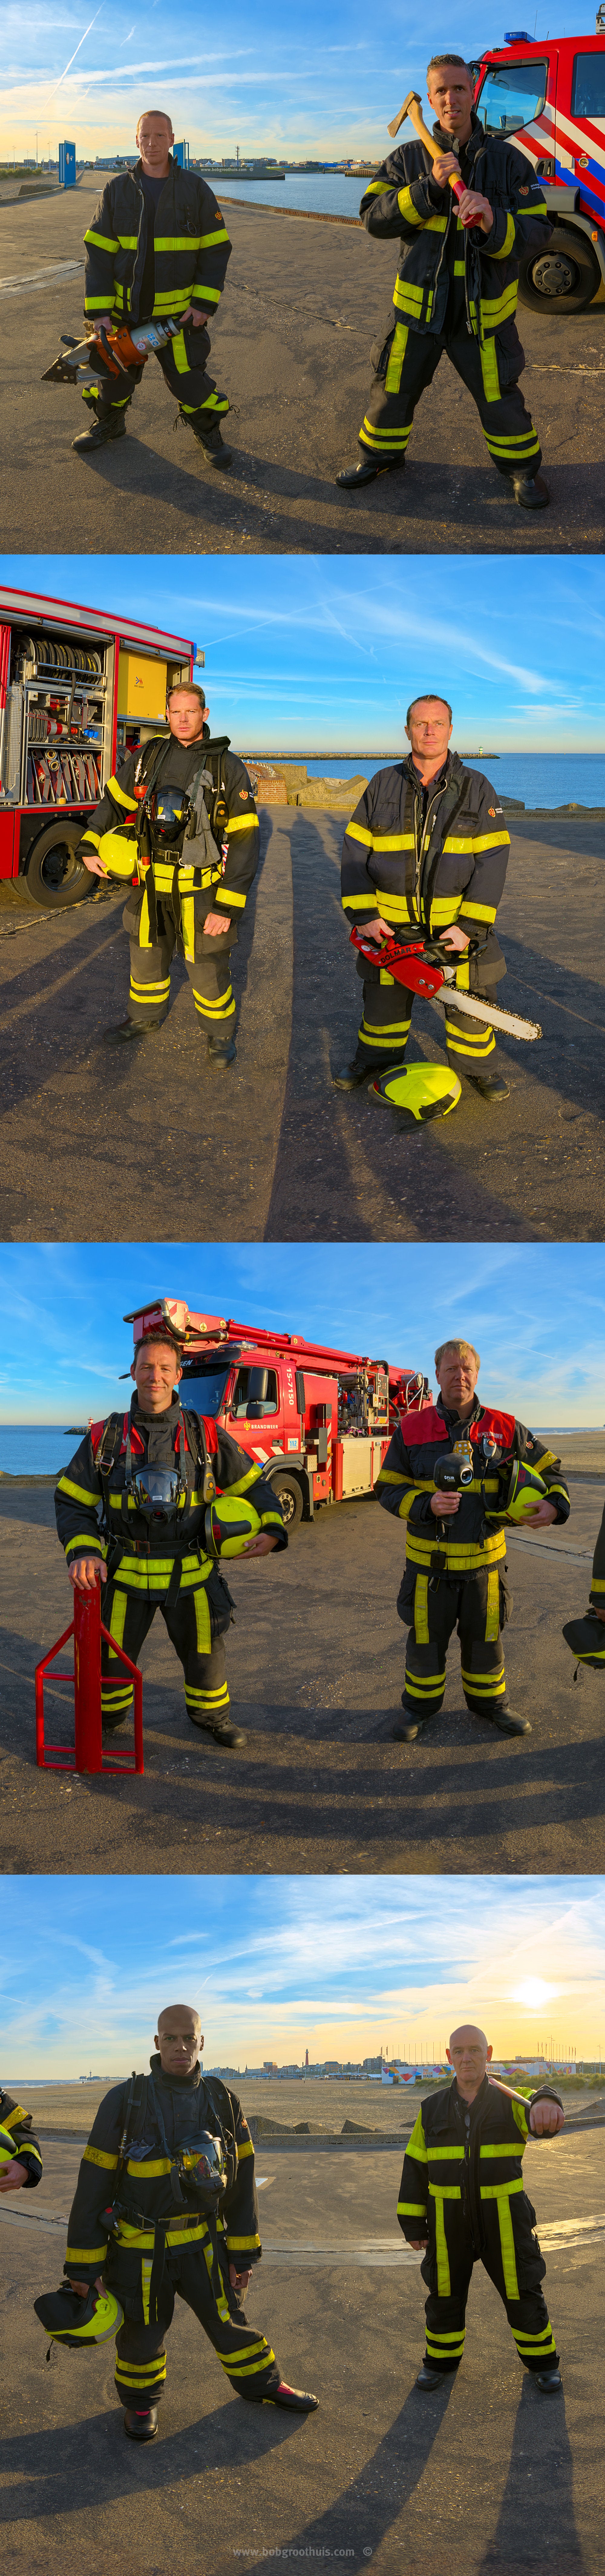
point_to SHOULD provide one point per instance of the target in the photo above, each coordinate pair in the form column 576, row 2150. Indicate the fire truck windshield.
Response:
column 204, row 1388
column 511, row 96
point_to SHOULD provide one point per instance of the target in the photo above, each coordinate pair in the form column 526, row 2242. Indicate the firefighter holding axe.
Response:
column 463, row 203
column 462, row 2201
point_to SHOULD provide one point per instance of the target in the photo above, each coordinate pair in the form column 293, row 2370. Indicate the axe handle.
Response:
column 509, row 2090
column 412, row 109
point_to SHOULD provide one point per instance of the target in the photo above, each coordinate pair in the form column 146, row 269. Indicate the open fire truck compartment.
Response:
column 79, row 689
column 318, row 1420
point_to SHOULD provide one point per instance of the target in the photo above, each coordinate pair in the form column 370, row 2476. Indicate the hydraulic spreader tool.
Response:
column 412, row 108
column 113, row 351
column 422, row 965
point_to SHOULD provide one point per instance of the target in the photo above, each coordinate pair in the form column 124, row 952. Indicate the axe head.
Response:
column 413, row 100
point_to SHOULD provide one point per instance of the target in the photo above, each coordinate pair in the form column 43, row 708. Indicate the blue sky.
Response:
column 314, row 653
column 285, row 81
column 534, row 1311
column 276, row 1965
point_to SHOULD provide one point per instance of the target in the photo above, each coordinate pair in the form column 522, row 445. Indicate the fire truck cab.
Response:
column 79, row 689
column 551, row 97
column 318, row 1421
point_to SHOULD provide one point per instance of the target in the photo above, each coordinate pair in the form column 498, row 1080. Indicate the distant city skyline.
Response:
column 318, row 1963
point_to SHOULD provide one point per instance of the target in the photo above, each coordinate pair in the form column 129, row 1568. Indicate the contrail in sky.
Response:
column 72, row 58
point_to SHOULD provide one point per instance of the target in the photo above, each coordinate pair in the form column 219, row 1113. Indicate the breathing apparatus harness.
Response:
column 160, row 1494
column 180, row 819
column 203, row 2167
column 454, row 1471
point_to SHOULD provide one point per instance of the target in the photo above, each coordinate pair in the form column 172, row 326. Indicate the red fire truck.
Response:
column 78, row 690
column 551, row 96
column 318, row 1420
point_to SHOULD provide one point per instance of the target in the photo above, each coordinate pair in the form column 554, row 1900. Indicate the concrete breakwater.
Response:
column 287, row 783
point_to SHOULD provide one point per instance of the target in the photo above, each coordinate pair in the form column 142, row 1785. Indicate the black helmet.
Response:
column 168, row 810
column 70, row 2319
column 586, row 1636
column 202, row 2169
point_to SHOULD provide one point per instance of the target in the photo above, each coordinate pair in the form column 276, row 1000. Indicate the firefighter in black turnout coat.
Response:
column 455, row 1571
column 456, row 288
column 146, row 1563
column 426, row 850
column 462, row 2201
column 157, row 250
column 166, row 2208
column 21, row 2169
column 586, row 1635
column 179, row 820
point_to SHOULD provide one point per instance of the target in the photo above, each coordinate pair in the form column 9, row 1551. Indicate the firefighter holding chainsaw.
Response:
column 461, row 1474
column 425, row 857
column 139, row 1510
column 456, row 288
column 156, row 251
column 166, row 2208
column 462, row 2202
column 179, row 820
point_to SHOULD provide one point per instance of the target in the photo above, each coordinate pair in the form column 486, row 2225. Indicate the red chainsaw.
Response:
column 424, row 968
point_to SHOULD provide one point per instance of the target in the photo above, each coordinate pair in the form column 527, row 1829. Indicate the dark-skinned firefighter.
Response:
column 456, row 1474
column 131, row 1512
column 166, row 2208
column 179, row 820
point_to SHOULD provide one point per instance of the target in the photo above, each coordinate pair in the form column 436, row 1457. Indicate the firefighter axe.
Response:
column 512, row 2096
column 412, row 108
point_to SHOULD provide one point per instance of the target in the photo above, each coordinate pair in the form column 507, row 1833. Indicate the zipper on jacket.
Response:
column 422, row 843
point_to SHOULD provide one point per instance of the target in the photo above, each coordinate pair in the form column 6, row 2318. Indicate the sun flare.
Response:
column 534, row 1991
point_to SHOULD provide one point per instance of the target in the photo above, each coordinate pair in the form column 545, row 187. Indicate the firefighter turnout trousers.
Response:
column 192, row 1629
column 385, row 1026
column 183, row 364
column 246, row 2357
column 208, row 969
column 434, row 1605
column 511, row 2256
column 407, row 365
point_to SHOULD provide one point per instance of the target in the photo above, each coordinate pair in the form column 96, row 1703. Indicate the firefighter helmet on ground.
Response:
column 418, row 1091
column 76, row 2321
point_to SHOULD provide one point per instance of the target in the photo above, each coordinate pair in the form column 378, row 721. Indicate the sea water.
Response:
column 538, row 777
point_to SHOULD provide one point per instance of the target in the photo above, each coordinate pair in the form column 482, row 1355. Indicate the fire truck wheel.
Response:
column 289, row 1495
column 563, row 278
column 54, row 875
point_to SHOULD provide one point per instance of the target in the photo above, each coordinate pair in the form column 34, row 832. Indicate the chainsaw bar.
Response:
column 475, row 1009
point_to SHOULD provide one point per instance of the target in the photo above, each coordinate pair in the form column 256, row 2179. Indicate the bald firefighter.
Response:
column 426, row 852
column 179, row 821
column 456, row 287
column 166, row 2208
column 131, row 1513
column 462, row 2202
column 456, row 1473
column 20, row 2154
column 157, row 250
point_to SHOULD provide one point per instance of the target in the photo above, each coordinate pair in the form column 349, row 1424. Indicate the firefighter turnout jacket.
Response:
column 426, row 857
column 597, row 1588
column 192, row 248
column 475, row 1537
column 19, row 2122
column 442, row 262
column 119, row 831
column 125, row 2198
column 98, row 1515
column 462, row 2188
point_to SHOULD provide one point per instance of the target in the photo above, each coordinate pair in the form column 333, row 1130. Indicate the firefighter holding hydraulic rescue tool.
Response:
column 462, row 2201
column 457, row 1474
column 456, row 288
column 179, row 819
column 148, row 1507
column 166, row 2208
column 156, row 252
column 425, row 857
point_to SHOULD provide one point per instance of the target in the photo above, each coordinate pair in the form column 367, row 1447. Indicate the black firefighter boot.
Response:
column 141, row 2428
column 368, row 471
column 348, row 1076
column 124, row 1032
column 529, row 490
column 208, row 434
column 107, row 425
